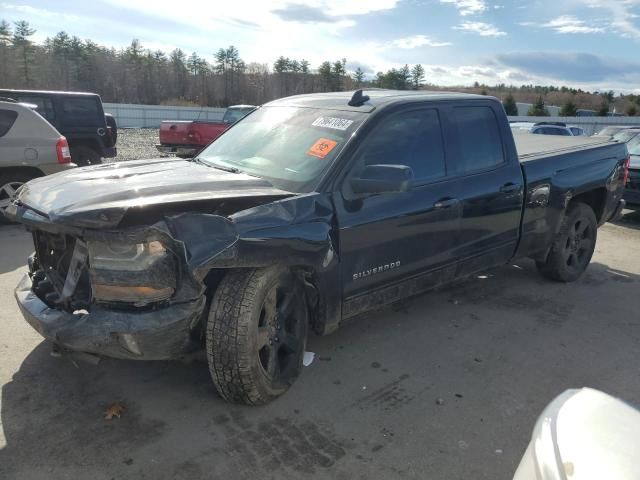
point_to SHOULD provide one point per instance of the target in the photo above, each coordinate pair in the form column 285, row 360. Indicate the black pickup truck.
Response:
column 310, row 210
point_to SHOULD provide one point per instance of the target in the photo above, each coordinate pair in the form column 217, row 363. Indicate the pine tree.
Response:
column 538, row 109
column 5, row 41
column 603, row 109
column 510, row 106
column 404, row 77
column 358, row 76
column 569, row 109
column 417, row 76
column 24, row 48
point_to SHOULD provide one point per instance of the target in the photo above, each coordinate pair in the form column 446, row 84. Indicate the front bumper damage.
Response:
column 159, row 334
column 295, row 232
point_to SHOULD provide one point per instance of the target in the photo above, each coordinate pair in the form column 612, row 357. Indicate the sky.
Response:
column 589, row 44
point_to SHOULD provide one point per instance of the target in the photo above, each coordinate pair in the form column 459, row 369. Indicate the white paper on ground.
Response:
column 308, row 358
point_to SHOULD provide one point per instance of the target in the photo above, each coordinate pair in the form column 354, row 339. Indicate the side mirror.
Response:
column 383, row 179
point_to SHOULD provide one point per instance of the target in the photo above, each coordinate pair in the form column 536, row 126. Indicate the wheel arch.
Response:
column 595, row 198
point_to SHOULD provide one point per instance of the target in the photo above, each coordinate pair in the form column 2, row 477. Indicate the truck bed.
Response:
column 532, row 147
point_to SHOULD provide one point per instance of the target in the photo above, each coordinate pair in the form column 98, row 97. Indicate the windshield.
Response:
column 634, row 146
column 232, row 115
column 289, row 146
column 610, row 131
column 625, row 135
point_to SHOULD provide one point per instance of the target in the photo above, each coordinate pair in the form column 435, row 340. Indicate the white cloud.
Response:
column 468, row 7
column 571, row 24
column 481, row 28
column 622, row 17
column 417, row 41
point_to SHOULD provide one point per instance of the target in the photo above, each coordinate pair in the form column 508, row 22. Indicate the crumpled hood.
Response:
column 100, row 195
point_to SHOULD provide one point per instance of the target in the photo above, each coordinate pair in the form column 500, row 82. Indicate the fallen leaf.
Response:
column 114, row 410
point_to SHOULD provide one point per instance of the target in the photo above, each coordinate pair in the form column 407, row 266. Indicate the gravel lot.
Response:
column 137, row 143
column 445, row 386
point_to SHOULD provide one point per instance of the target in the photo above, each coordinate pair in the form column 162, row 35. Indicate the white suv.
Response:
column 30, row 147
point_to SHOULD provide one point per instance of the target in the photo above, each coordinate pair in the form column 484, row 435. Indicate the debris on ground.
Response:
column 115, row 410
column 308, row 358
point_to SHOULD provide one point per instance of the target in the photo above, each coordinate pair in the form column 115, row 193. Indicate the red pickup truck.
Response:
column 185, row 138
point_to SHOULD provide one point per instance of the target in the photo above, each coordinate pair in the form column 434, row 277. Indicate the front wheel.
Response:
column 9, row 184
column 573, row 246
column 256, row 334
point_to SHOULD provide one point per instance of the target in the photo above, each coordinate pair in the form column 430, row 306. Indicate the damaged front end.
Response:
column 143, row 292
column 117, row 294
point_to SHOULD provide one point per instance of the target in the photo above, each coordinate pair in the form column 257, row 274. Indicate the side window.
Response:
column 81, row 111
column 44, row 106
column 7, row 119
column 565, row 132
column 411, row 138
column 479, row 141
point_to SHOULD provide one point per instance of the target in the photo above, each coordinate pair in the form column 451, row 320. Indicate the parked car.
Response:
column 79, row 117
column 632, row 190
column 309, row 211
column 626, row 135
column 186, row 138
column 584, row 434
column 29, row 147
column 521, row 126
column 556, row 128
column 611, row 131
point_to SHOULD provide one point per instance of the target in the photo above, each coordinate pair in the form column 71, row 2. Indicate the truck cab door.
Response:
column 489, row 186
column 394, row 243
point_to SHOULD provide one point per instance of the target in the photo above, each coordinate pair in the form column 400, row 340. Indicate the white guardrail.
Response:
column 149, row 116
column 130, row 115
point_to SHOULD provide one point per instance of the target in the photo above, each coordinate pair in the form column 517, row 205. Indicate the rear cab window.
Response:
column 7, row 119
column 479, row 142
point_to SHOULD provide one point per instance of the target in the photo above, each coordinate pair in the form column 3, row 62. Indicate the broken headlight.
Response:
column 137, row 273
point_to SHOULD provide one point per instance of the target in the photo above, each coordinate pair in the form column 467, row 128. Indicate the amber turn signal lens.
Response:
column 134, row 294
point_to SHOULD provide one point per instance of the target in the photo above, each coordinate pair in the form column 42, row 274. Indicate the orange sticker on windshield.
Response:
column 322, row 147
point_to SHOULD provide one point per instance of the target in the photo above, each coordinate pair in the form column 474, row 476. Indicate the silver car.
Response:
column 30, row 147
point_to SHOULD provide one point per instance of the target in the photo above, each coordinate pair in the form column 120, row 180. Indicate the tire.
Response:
column 256, row 334
column 573, row 245
column 9, row 183
column 83, row 156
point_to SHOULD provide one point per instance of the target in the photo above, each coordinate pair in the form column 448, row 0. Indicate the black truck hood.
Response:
column 99, row 196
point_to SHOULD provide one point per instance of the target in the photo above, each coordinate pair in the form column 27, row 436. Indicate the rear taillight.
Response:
column 627, row 164
column 62, row 149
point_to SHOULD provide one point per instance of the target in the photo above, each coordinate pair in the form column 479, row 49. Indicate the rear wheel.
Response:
column 573, row 246
column 9, row 184
column 83, row 156
column 256, row 334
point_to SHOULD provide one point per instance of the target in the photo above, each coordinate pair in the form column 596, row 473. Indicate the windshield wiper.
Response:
column 215, row 165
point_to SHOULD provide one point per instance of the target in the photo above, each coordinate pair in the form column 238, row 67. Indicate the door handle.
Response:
column 445, row 203
column 510, row 187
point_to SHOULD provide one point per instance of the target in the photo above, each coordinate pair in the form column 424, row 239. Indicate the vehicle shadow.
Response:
column 16, row 247
column 630, row 219
column 475, row 362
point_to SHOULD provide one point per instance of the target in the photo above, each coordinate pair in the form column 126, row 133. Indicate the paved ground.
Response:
column 495, row 349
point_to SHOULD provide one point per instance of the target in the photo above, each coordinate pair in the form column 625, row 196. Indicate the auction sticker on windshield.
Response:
column 322, row 147
column 332, row 122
